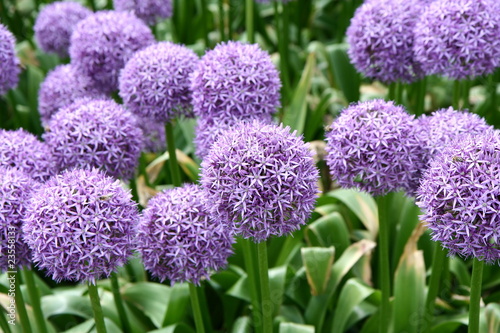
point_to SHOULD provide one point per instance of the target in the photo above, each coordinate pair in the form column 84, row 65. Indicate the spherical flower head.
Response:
column 260, row 178
column 55, row 23
column 61, row 87
column 103, row 42
column 443, row 126
column 81, row 226
column 15, row 191
column 22, row 150
column 150, row 11
column 155, row 81
column 208, row 130
column 235, row 79
column 459, row 197
column 9, row 73
column 96, row 134
column 154, row 140
column 372, row 146
column 459, row 38
column 179, row 240
column 380, row 39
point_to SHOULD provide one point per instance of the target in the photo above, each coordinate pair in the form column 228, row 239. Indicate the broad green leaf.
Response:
column 177, row 304
column 242, row 325
column 58, row 304
column 190, row 167
column 175, row 328
column 326, row 209
column 492, row 316
column 346, row 76
column 316, row 118
column 295, row 328
column 329, row 230
column 150, row 298
column 298, row 290
column 111, row 327
column 34, row 79
column 353, row 293
column 318, row 263
column 449, row 324
column 361, row 204
column 291, row 313
column 460, row 270
column 295, row 115
column 407, row 220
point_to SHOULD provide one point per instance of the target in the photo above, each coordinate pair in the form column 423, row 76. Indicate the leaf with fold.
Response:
column 295, row 328
column 175, row 328
column 329, row 230
column 150, row 298
column 346, row 76
column 318, row 263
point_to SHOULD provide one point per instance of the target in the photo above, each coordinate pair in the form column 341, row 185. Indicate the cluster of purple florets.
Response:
column 9, row 72
column 150, row 11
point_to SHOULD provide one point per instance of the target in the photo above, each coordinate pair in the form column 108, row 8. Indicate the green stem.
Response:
column 434, row 282
column 222, row 21
column 249, row 20
column 229, row 20
column 475, row 295
column 421, row 92
column 34, row 294
column 266, row 305
column 248, row 256
column 115, row 289
column 282, row 24
column 3, row 323
column 174, row 167
column 96, row 307
column 492, row 91
column 195, row 305
column 391, row 93
column 465, row 93
column 204, row 18
column 385, row 278
column 21, row 307
column 456, row 95
column 399, row 93
column 92, row 5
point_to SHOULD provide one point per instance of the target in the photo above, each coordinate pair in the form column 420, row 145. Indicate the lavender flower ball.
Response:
column 459, row 38
column 102, row 43
column 373, row 146
column 55, row 23
column 443, row 126
column 235, row 79
column 154, row 140
column 15, row 191
column 96, row 134
column 63, row 86
column 260, row 178
column 9, row 72
column 179, row 240
column 150, row 11
column 81, row 226
column 155, row 81
column 22, row 150
column 380, row 39
column 459, row 196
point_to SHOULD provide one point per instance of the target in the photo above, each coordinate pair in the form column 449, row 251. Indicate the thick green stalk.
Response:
column 384, row 270
column 266, row 304
column 174, row 166
column 465, row 93
column 115, row 289
column 248, row 256
column 21, row 307
column 3, row 321
column 195, row 305
column 96, row 307
column 34, row 294
column 434, row 281
column 492, row 91
column 391, row 93
column 249, row 20
column 398, row 99
column 456, row 95
column 229, row 20
column 222, row 21
column 475, row 295
column 420, row 102
column 91, row 4
column 282, row 24
column 204, row 18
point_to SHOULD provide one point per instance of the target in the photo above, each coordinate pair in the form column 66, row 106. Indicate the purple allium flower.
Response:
column 373, row 146
column 179, row 240
column 96, row 134
column 262, row 179
column 208, row 129
column 459, row 195
column 61, row 87
column 102, row 43
column 459, row 38
column 154, row 135
column 445, row 125
column 380, row 39
column 80, row 225
column 22, row 150
column 55, row 23
column 9, row 72
column 15, row 191
column 150, row 11
column 155, row 81
column 235, row 79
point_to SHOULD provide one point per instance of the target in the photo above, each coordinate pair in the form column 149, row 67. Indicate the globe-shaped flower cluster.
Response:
column 458, row 38
column 15, row 190
column 61, row 87
column 9, row 73
column 260, row 178
column 55, row 23
column 150, row 11
column 380, row 39
column 154, row 135
column 459, row 196
column 179, row 240
column 97, row 133
column 373, row 146
column 235, row 79
column 80, row 225
column 22, row 150
column 102, row 43
column 155, row 81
